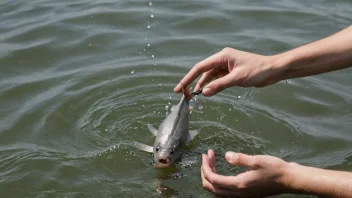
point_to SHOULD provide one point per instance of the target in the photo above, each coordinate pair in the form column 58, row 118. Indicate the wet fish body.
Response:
column 172, row 136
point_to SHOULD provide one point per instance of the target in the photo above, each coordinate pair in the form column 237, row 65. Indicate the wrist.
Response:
column 289, row 178
column 280, row 66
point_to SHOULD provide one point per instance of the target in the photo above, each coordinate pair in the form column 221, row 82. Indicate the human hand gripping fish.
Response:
column 173, row 133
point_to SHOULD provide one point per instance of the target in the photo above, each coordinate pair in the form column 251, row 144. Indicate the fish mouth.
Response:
column 162, row 162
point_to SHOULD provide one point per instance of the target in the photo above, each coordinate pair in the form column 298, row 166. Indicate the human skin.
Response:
column 233, row 67
column 268, row 175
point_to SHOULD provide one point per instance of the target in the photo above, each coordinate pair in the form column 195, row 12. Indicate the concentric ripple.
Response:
column 80, row 80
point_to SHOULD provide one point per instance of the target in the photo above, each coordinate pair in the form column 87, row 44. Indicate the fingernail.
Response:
column 229, row 155
column 177, row 87
column 207, row 91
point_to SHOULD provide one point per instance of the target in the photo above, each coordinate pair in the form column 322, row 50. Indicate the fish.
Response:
column 173, row 133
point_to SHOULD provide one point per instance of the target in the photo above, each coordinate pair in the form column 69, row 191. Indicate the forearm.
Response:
column 321, row 182
column 329, row 54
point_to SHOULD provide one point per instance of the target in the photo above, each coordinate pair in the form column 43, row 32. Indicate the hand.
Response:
column 266, row 176
column 231, row 68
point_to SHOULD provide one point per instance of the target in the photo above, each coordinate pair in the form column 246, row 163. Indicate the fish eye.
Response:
column 172, row 151
column 157, row 149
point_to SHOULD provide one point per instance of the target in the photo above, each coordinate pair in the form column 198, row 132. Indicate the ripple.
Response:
column 80, row 80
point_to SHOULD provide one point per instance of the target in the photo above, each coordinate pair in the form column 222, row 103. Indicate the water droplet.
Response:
column 89, row 44
column 144, row 49
column 150, row 3
column 159, row 84
column 106, row 130
column 152, row 16
column 238, row 97
column 152, row 56
column 169, row 102
column 148, row 26
column 200, row 107
column 148, row 45
column 166, row 107
column 230, row 109
column 132, row 72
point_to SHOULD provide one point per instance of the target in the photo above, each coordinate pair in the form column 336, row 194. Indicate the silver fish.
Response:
column 173, row 134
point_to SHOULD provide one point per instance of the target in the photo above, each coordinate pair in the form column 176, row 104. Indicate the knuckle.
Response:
column 205, row 185
column 227, row 50
column 206, row 176
column 239, row 158
column 209, row 179
column 197, row 66
column 256, row 162
column 219, row 86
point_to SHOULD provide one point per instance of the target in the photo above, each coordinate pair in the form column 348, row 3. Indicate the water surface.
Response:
column 79, row 81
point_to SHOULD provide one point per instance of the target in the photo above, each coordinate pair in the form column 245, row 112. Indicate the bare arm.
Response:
column 329, row 54
column 233, row 67
column 327, row 183
column 269, row 175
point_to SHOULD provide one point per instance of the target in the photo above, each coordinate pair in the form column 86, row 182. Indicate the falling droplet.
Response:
column 132, row 72
column 148, row 45
column 200, row 107
column 166, row 107
column 238, row 97
column 148, row 26
column 152, row 56
column 230, row 109
column 150, row 3
column 152, row 16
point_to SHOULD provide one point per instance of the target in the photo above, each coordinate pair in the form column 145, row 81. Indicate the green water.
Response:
column 79, row 81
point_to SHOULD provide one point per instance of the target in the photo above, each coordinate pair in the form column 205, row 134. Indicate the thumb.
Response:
column 240, row 159
column 218, row 85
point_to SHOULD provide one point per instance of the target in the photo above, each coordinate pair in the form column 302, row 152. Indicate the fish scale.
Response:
column 172, row 136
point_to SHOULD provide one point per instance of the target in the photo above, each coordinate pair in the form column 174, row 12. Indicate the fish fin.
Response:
column 173, row 107
column 191, row 135
column 143, row 147
column 152, row 129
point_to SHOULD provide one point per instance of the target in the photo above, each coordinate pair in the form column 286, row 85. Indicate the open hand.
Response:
column 266, row 176
column 231, row 67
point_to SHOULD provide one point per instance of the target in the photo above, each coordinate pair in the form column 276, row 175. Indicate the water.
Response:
column 79, row 81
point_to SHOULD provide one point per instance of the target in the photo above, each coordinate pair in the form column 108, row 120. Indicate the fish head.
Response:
column 165, row 154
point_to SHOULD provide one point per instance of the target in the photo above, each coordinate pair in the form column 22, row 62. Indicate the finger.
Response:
column 203, row 66
column 241, row 159
column 220, row 84
column 211, row 156
column 206, row 77
column 224, row 182
column 215, row 190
